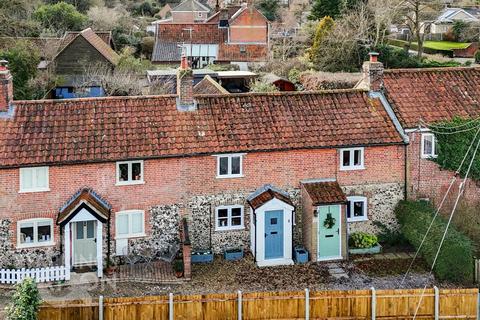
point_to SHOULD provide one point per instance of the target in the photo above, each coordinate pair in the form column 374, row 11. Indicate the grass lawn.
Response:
column 445, row 45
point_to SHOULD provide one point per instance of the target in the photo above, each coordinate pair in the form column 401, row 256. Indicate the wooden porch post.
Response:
column 67, row 251
column 99, row 249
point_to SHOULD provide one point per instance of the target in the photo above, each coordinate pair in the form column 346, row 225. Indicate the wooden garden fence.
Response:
column 349, row 304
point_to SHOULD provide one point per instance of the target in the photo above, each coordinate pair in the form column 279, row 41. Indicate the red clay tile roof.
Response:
column 203, row 33
column 116, row 128
column 325, row 192
column 209, row 86
column 433, row 95
column 265, row 194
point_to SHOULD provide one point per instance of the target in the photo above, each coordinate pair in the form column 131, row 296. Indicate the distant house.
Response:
column 190, row 11
column 448, row 17
column 237, row 35
column 70, row 57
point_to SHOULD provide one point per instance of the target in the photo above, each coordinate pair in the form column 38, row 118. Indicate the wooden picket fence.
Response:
column 13, row 276
column 349, row 304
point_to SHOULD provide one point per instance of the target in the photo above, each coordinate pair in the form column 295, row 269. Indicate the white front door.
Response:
column 84, row 242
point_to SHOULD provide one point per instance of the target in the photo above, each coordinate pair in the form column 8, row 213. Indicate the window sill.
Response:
column 357, row 220
column 129, row 183
column 34, row 190
column 133, row 236
column 230, row 176
column 35, row 245
column 229, row 229
column 352, row 168
column 424, row 156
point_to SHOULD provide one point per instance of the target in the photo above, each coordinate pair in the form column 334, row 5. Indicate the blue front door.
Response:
column 273, row 234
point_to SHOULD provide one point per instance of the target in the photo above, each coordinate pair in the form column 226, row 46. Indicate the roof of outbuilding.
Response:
column 119, row 128
column 324, row 192
column 209, row 86
column 433, row 95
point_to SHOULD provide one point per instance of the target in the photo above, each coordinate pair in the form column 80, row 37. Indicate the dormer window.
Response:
column 129, row 172
column 230, row 165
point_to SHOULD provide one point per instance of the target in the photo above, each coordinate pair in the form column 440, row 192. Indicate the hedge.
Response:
column 455, row 262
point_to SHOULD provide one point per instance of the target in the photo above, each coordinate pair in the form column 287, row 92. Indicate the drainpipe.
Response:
column 405, row 164
column 108, row 237
column 254, row 216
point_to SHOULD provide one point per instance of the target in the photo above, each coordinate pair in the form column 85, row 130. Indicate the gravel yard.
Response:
column 226, row 276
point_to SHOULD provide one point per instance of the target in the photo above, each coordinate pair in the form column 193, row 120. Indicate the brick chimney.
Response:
column 373, row 73
column 6, row 86
column 185, row 101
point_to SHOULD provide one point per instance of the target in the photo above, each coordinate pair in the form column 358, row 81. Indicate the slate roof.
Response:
column 209, row 86
column 191, row 5
column 85, row 195
column 325, row 192
column 120, row 128
column 265, row 194
column 433, row 95
column 166, row 51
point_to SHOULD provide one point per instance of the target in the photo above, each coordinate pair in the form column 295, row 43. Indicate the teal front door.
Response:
column 329, row 231
column 273, row 234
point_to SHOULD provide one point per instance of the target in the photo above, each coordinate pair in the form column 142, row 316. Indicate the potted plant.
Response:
column 363, row 243
column 233, row 254
column 178, row 268
column 110, row 267
column 202, row 256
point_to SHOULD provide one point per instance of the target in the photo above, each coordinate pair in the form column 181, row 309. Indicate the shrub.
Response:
column 455, row 261
column 261, row 86
column 388, row 236
column 477, row 56
column 362, row 240
column 25, row 301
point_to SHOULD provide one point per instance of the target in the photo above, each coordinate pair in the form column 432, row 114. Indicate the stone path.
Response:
column 386, row 256
column 336, row 271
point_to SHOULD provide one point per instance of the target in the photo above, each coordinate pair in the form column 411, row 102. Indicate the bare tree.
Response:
column 419, row 15
column 384, row 13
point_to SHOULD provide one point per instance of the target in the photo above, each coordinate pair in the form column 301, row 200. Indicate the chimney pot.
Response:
column 373, row 56
column 6, row 87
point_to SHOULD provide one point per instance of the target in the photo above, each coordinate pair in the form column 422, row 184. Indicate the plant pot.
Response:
column 372, row 250
column 202, row 256
column 233, row 254
column 110, row 271
column 301, row 255
column 179, row 274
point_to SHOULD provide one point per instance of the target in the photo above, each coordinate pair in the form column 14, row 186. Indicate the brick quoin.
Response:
column 175, row 180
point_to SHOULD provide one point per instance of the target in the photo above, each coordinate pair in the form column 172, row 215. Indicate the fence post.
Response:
column 170, row 306
column 437, row 303
column 374, row 303
column 478, row 307
column 307, row 304
column 239, row 305
column 100, row 307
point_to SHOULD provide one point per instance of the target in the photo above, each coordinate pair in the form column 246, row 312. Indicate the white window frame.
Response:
column 434, row 153
column 229, row 218
column 353, row 199
column 35, row 243
column 229, row 174
column 129, row 182
column 130, row 234
column 22, row 188
column 352, row 156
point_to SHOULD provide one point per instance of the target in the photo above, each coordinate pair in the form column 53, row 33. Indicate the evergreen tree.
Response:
column 323, row 28
column 324, row 8
column 25, row 301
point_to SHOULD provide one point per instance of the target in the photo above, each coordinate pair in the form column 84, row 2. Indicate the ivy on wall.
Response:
column 453, row 141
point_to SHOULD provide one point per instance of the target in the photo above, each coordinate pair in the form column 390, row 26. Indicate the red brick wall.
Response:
column 249, row 26
column 173, row 180
column 6, row 91
column 428, row 180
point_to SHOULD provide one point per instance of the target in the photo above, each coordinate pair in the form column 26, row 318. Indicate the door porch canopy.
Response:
column 87, row 199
